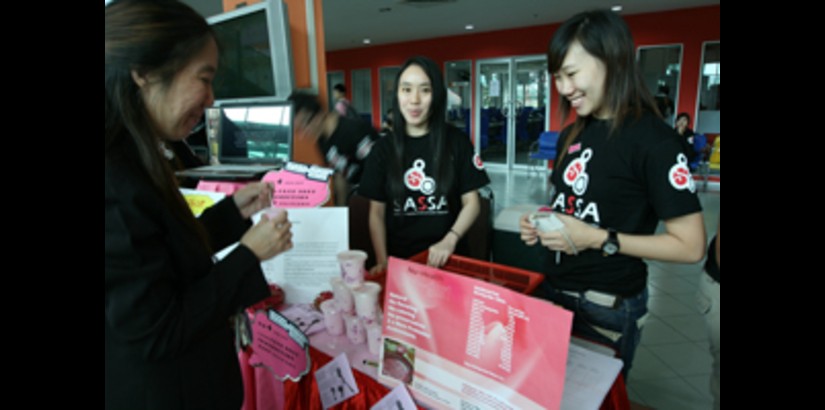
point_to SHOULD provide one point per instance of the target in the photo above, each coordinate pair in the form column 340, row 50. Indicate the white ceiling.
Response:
column 348, row 22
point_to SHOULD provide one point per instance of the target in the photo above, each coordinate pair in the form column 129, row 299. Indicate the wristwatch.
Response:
column 610, row 246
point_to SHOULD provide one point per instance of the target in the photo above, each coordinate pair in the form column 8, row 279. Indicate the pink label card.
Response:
column 299, row 186
column 279, row 345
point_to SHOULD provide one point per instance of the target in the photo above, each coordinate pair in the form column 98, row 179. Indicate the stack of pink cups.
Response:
column 354, row 307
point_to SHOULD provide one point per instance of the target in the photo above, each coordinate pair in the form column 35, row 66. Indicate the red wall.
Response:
column 689, row 27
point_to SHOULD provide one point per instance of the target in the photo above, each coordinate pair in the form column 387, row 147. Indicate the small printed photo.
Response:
column 399, row 361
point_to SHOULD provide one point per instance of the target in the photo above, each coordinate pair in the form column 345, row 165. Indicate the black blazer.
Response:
column 168, row 340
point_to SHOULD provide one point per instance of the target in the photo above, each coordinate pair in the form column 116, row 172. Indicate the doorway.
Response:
column 511, row 110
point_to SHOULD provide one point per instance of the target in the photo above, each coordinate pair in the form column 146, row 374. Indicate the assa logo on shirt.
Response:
column 679, row 175
column 575, row 206
column 575, row 176
column 415, row 179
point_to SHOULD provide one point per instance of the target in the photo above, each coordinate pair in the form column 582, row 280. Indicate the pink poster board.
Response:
column 458, row 342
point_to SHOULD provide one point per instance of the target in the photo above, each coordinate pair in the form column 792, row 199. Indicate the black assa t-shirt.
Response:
column 424, row 216
column 627, row 181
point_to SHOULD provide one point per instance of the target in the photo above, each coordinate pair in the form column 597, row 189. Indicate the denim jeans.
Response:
column 619, row 327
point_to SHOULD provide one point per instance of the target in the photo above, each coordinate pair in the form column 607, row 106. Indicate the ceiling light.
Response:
column 367, row 41
column 616, row 9
column 469, row 27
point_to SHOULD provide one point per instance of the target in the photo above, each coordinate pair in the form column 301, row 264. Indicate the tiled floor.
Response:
column 672, row 365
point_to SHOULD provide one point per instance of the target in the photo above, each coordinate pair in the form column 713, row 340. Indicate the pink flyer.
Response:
column 458, row 342
column 279, row 345
column 299, row 186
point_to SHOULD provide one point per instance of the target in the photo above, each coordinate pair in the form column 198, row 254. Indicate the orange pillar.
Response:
column 306, row 32
column 305, row 40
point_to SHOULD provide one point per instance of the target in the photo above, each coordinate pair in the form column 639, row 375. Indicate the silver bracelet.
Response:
column 569, row 241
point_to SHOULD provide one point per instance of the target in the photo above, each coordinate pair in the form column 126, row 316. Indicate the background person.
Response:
column 687, row 135
column 342, row 105
column 343, row 142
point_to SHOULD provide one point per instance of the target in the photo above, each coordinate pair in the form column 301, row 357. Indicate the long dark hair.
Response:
column 147, row 36
column 436, row 122
column 604, row 35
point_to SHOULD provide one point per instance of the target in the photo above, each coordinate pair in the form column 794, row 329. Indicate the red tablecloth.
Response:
column 264, row 392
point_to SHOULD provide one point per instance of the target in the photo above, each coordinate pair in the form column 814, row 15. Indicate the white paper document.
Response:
column 318, row 234
column 335, row 381
column 589, row 377
column 397, row 399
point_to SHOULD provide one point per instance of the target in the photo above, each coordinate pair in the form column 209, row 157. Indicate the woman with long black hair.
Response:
column 423, row 178
column 168, row 343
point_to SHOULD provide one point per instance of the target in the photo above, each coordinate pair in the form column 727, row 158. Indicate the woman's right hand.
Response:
column 269, row 237
column 528, row 232
column 378, row 268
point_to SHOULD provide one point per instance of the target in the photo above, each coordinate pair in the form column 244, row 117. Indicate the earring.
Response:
column 168, row 153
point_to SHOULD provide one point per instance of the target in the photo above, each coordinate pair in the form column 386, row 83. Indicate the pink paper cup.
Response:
column 366, row 301
column 352, row 267
column 333, row 317
column 374, row 338
column 355, row 329
column 342, row 295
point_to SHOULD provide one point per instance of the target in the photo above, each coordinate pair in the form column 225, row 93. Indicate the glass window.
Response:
column 362, row 91
column 387, row 76
column 708, row 120
column 660, row 66
column 458, row 76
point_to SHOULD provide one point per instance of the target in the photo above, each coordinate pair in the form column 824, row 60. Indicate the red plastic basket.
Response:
column 519, row 280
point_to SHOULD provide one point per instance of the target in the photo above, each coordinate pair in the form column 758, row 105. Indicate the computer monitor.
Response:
column 252, row 134
column 255, row 53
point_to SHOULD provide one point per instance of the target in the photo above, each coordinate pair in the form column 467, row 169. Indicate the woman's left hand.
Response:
column 253, row 197
column 441, row 251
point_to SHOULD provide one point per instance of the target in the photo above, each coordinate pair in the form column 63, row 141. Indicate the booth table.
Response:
column 264, row 392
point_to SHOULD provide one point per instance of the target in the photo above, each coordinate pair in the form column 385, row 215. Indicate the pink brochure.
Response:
column 299, row 186
column 279, row 345
column 458, row 342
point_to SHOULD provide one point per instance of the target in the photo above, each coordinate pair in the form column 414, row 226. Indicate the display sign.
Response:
column 279, row 345
column 459, row 343
column 299, row 186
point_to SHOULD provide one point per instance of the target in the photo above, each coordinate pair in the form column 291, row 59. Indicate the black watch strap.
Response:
column 610, row 246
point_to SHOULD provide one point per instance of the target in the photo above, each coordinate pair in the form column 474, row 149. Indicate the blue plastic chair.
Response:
column 485, row 128
column 699, row 143
column 544, row 149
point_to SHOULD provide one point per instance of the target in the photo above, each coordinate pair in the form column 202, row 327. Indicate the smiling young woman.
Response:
column 620, row 171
